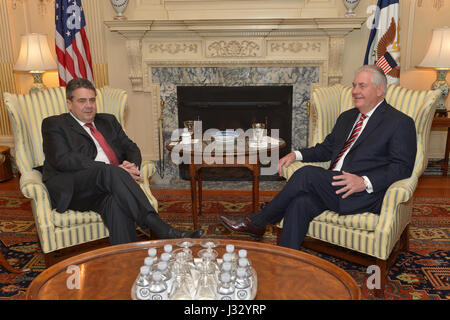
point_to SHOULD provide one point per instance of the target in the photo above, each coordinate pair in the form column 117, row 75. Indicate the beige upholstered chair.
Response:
column 370, row 237
column 58, row 230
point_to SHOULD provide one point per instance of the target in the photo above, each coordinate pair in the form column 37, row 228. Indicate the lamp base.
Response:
column 38, row 85
column 442, row 85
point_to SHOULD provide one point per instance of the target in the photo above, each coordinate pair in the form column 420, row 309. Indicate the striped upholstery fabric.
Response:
column 369, row 233
column 26, row 112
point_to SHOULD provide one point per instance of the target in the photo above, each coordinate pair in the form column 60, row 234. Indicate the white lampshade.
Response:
column 438, row 55
column 35, row 54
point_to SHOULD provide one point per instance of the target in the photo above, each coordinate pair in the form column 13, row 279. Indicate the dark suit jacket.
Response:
column 384, row 152
column 68, row 148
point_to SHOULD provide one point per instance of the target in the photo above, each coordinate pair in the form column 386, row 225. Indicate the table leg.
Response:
column 192, row 173
column 256, row 172
column 199, row 172
column 447, row 150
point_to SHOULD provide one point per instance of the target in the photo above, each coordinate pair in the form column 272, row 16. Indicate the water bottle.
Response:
column 242, row 285
column 243, row 255
column 225, row 290
column 166, row 258
column 251, row 273
column 150, row 263
column 157, row 287
column 227, row 268
column 142, row 284
column 230, row 249
column 166, row 274
column 152, row 253
column 245, row 264
column 168, row 249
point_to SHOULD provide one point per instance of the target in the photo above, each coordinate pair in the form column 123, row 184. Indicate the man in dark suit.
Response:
column 91, row 164
column 370, row 147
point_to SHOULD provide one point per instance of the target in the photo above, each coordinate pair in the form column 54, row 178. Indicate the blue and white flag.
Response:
column 383, row 48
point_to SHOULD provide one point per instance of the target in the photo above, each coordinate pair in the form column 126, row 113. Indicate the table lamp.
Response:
column 438, row 57
column 35, row 57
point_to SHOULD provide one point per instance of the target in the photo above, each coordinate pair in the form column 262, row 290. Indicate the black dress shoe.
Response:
column 177, row 234
column 242, row 224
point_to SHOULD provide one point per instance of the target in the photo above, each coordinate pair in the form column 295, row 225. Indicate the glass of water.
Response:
column 259, row 129
column 189, row 124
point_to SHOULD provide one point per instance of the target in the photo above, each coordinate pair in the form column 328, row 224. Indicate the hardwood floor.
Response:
column 433, row 187
column 428, row 187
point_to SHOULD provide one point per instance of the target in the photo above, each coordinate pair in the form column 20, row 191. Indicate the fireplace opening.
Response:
column 224, row 108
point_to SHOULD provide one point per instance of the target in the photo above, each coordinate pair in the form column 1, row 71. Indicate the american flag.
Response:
column 72, row 46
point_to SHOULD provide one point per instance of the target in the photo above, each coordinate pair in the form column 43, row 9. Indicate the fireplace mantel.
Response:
column 227, row 27
column 221, row 42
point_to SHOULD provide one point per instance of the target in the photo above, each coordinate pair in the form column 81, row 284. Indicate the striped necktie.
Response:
column 104, row 144
column 353, row 136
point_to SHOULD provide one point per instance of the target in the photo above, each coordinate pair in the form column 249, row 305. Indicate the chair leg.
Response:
column 382, row 264
column 405, row 239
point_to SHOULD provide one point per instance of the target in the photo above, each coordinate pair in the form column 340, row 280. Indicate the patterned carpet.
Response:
column 423, row 273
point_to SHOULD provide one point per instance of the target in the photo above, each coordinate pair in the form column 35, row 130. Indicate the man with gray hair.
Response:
column 370, row 147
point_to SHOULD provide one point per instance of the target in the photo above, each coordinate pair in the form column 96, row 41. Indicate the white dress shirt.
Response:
column 101, row 155
column 369, row 188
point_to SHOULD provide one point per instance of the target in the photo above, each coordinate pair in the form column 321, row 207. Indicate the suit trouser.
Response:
column 305, row 196
column 113, row 193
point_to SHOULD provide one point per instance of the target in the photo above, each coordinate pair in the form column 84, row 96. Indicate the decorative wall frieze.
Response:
column 296, row 46
column 173, row 48
column 234, row 48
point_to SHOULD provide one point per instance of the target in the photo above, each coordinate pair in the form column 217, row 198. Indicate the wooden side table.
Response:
column 6, row 172
column 442, row 122
column 208, row 161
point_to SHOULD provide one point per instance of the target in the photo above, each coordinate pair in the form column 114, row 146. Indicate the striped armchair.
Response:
column 372, row 235
column 26, row 112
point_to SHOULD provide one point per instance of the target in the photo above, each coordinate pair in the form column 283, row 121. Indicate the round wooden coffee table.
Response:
column 109, row 273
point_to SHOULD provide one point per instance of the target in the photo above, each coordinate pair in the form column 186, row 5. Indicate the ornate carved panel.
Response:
column 234, row 48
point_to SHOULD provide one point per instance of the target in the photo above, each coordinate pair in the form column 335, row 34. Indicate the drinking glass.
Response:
column 258, row 131
column 189, row 124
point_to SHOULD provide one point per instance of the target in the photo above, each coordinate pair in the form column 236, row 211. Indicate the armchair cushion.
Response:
column 362, row 221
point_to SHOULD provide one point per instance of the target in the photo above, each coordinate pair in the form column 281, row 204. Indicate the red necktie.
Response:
column 355, row 133
column 105, row 146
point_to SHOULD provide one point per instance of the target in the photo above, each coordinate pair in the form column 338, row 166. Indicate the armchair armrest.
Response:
column 286, row 172
column 395, row 214
column 399, row 192
column 32, row 186
column 148, row 169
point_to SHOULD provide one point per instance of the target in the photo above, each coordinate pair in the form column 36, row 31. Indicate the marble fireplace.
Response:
column 300, row 78
column 165, row 54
